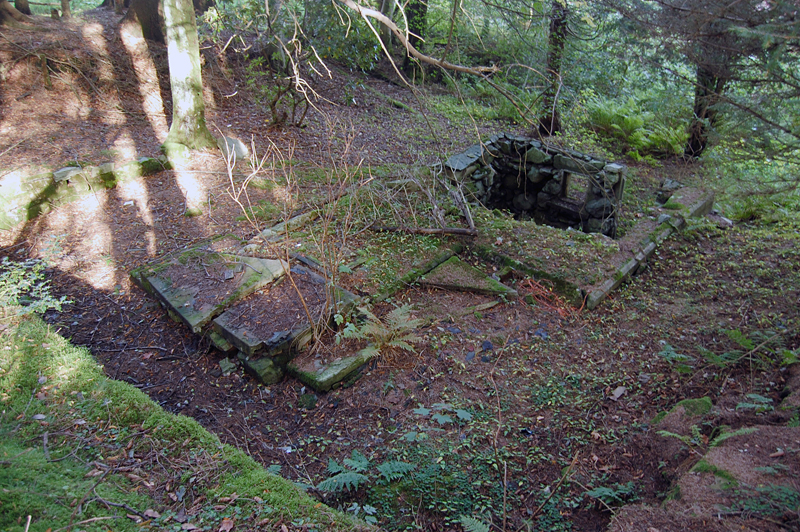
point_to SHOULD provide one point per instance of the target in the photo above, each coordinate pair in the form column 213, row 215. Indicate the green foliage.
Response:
column 346, row 480
column 756, row 402
column 25, row 290
column 356, row 471
column 394, row 331
column 471, row 524
column 615, row 495
column 769, row 502
column 679, row 361
column 641, row 130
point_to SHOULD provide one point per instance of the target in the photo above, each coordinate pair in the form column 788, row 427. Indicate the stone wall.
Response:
column 532, row 178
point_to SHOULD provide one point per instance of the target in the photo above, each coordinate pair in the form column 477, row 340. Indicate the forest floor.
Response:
column 537, row 416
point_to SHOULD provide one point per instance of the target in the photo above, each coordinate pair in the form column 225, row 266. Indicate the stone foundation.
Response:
column 534, row 179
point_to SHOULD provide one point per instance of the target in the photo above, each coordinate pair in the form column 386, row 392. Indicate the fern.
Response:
column 394, row 331
column 346, row 480
column 724, row 436
column 471, row 524
column 357, row 462
column 334, row 467
column 395, row 470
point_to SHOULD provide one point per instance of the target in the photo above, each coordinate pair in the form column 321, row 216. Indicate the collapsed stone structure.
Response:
column 533, row 178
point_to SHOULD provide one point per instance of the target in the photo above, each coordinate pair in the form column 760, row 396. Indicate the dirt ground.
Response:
column 559, row 402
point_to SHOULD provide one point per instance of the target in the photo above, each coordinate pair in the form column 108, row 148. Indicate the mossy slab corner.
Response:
column 327, row 376
column 197, row 307
column 455, row 274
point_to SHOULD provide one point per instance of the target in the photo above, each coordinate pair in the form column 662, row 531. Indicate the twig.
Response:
column 564, row 477
column 28, row 524
column 93, row 519
column 78, row 506
column 119, row 505
column 44, row 446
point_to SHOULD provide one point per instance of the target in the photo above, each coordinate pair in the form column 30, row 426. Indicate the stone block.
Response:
column 577, row 165
column 262, row 368
column 327, row 376
column 537, row 156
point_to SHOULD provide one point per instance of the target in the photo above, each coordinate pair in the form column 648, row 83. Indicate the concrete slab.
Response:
column 455, row 274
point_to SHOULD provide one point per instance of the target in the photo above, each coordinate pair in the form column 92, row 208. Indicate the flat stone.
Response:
column 263, row 368
column 181, row 297
column 65, row 174
column 577, row 165
column 462, row 161
column 327, row 376
column 233, row 148
column 536, row 156
column 455, row 274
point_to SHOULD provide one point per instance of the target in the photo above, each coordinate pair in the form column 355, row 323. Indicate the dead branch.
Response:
column 427, row 230
column 367, row 12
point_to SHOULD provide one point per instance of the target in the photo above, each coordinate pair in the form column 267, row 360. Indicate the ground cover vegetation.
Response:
column 475, row 412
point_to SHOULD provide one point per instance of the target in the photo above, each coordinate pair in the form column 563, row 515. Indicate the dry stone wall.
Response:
column 533, row 178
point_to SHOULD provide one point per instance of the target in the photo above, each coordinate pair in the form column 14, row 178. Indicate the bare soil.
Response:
column 539, row 384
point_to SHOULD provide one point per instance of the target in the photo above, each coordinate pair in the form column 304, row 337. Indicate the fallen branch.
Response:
column 427, row 230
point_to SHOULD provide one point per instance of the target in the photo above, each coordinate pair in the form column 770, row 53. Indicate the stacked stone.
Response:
column 528, row 176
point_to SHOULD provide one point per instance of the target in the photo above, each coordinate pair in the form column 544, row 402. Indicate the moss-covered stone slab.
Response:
column 455, row 274
column 265, row 369
column 274, row 322
column 197, row 285
column 327, row 376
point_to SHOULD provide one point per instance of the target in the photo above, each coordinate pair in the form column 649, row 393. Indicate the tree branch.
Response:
column 367, row 12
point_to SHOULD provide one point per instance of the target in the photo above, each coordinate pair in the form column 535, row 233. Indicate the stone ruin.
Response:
column 542, row 182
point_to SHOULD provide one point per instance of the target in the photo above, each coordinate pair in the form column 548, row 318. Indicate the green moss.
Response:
column 696, row 407
column 33, row 354
column 704, row 467
column 659, row 417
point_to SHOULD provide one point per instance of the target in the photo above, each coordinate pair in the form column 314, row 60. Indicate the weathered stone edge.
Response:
column 40, row 193
column 648, row 247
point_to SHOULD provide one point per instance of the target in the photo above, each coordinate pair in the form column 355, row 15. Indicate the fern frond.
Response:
column 471, row 524
column 343, row 481
column 334, row 467
column 395, row 470
column 740, row 432
column 357, row 462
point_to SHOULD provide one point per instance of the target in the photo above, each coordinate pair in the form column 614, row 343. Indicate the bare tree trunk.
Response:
column 707, row 94
column 10, row 16
column 66, row 13
column 387, row 8
column 146, row 13
column 417, row 17
column 188, row 126
column 22, row 6
column 550, row 123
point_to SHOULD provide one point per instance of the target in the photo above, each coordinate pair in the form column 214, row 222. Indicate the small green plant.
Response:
column 678, row 360
column 24, row 289
column 756, row 402
column 698, row 443
column 615, row 495
column 394, row 331
column 772, row 502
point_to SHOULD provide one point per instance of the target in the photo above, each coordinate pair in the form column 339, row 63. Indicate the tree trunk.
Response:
column 147, row 14
column 707, row 94
column 10, row 16
column 66, row 13
column 22, row 6
column 387, row 8
column 417, row 17
column 550, row 123
column 188, row 126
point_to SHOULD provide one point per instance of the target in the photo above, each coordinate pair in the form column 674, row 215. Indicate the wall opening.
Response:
column 534, row 180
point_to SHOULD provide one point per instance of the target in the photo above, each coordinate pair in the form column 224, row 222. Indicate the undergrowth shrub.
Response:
column 628, row 120
column 25, row 290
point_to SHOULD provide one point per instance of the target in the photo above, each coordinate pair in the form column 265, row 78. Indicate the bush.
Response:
column 24, row 289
